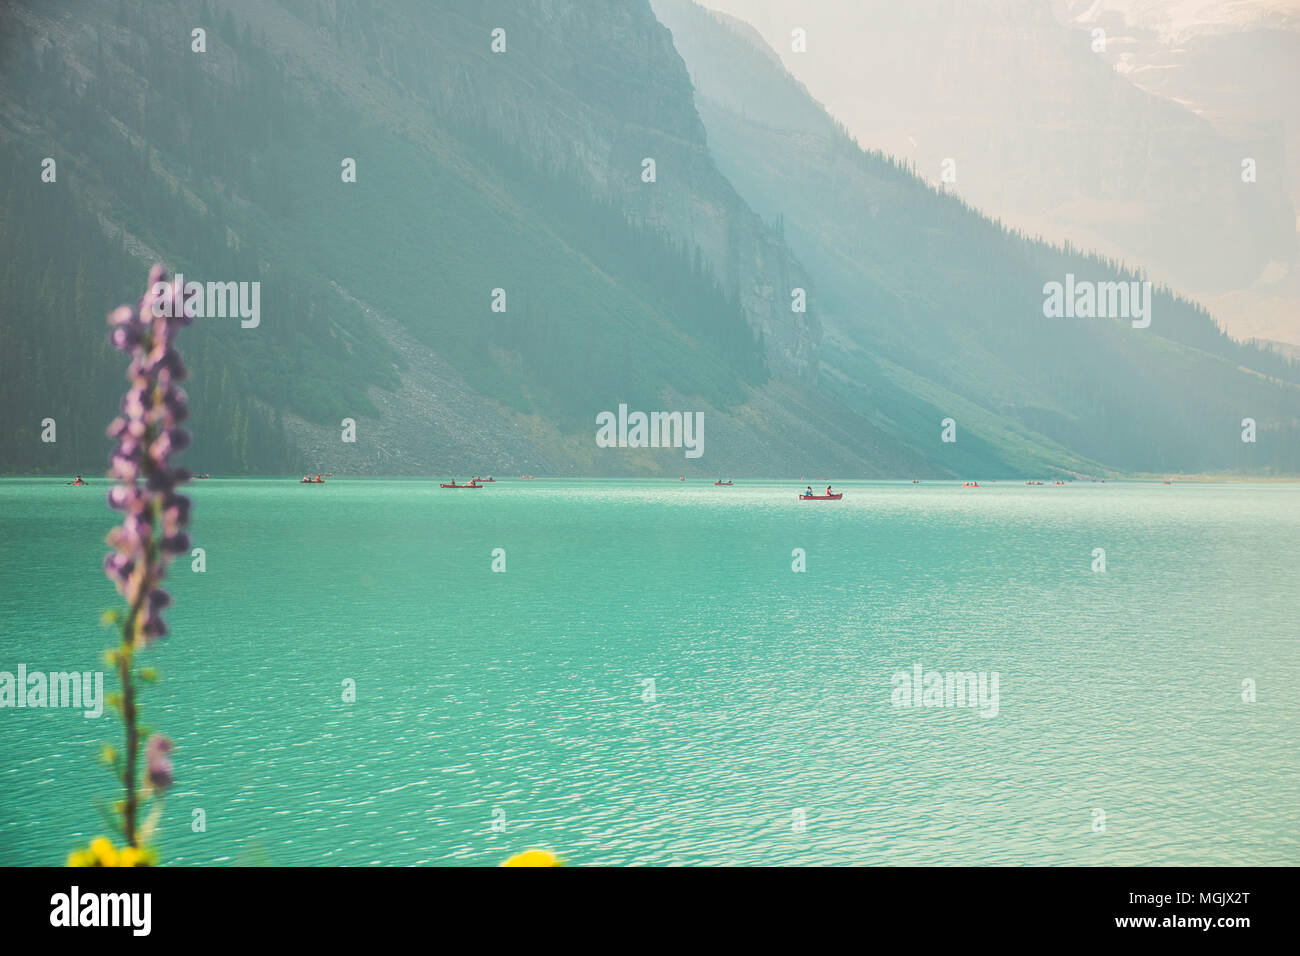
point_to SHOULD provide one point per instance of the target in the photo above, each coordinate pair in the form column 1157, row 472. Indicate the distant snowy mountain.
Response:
column 1176, row 20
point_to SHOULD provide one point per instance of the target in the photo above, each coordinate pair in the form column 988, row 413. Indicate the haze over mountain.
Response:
column 914, row 283
column 1130, row 142
column 1236, row 65
column 520, row 177
column 1176, row 21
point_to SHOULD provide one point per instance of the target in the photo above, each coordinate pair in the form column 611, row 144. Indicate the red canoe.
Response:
column 835, row 497
column 454, row 485
column 725, row 484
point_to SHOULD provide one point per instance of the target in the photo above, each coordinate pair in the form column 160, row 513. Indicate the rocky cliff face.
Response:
column 226, row 162
column 598, row 89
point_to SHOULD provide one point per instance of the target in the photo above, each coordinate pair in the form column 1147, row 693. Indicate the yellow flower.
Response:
column 103, row 851
column 142, row 856
column 534, row 858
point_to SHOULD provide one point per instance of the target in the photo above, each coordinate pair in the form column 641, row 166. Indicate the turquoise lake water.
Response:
column 772, row 736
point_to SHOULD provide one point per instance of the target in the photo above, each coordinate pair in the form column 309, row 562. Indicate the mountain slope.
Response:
column 377, row 294
column 919, row 290
column 517, row 178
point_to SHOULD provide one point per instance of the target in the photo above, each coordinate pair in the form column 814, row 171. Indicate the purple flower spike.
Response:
column 148, row 435
column 159, row 763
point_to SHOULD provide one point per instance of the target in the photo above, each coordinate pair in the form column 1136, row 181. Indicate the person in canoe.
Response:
column 808, row 491
column 79, row 481
column 828, row 491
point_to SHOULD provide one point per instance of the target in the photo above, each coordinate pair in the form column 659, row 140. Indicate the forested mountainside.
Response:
column 501, row 270
column 226, row 164
column 55, row 360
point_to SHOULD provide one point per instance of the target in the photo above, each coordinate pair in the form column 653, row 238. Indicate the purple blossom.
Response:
column 158, row 762
column 148, row 435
